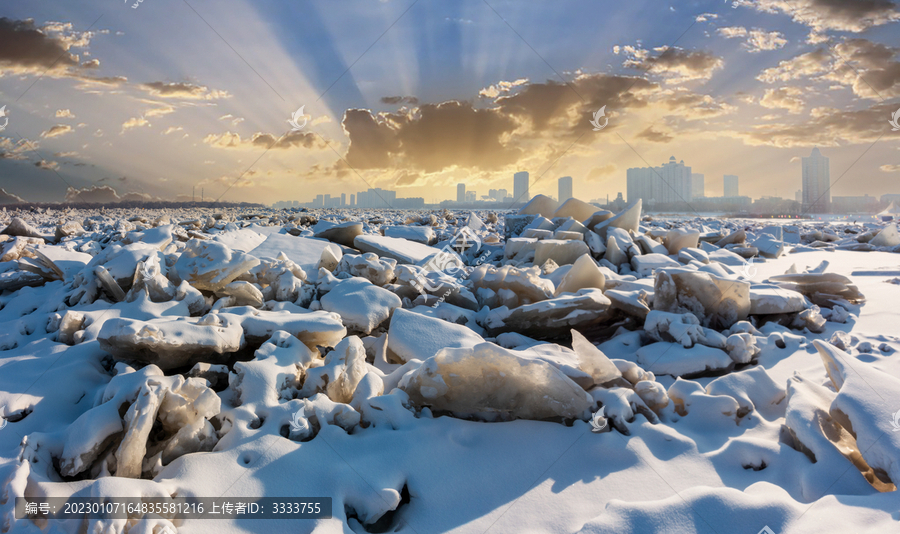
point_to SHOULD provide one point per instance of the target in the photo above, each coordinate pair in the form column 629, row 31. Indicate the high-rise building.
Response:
column 565, row 188
column 669, row 183
column 731, row 186
column 471, row 196
column 798, row 196
column 460, row 193
column 816, row 183
column 352, row 199
column 502, row 194
column 343, row 199
column 698, row 187
column 520, row 187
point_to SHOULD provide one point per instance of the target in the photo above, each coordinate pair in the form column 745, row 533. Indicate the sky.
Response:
column 143, row 99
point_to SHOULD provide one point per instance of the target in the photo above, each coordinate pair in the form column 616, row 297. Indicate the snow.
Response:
column 735, row 395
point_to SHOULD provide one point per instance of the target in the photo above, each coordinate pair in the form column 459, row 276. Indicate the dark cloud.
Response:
column 95, row 195
column 399, row 100
column 266, row 140
column 842, row 15
column 652, row 135
column 9, row 198
column 673, row 63
column 27, row 49
column 824, row 127
column 435, row 137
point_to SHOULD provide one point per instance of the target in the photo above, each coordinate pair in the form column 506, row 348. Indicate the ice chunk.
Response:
column 526, row 284
column 553, row 316
column 769, row 246
column 741, row 347
column 576, row 209
column 303, row 251
column 539, row 205
column 629, row 220
column 633, row 302
column 243, row 293
column 584, row 274
column 718, row 302
column 361, row 305
column 593, row 361
column 823, row 289
column 733, row 238
column 562, row 252
column 889, row 237
column 645, row 264
column 679, row 238
column 490, row 382
column 379, row 271
column 313, row 328
column 402, row 250
column 768, row 300
column 614, row 254
column 18, row 227
column 109, row 284
column 676, row 360
column 344, row 368
column 170, row 344
column 419, row 234
column 149, row 280
column 210, row 266
column 415, row 336
column 682, row 328
column 330, row 258
column 343, row 234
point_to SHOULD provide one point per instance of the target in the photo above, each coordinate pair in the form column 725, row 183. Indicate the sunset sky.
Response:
column 417, row 96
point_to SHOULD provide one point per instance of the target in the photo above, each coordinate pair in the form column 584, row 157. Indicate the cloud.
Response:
column 892, row 167
column 783, row 98
column 652, row 135
column 868, row 69
column 823, row 127
column 674, row 64
column 399, row 100
column 15, row 150
column 265, row 140
column 757, row 40
column 28, row 50
column 44, row 164
column 703, row 17
column 807, row 64
column 9, row 198
column 172, row 129
column 597, row 173
column 64, row 114
column 840, row 15
column 436, row 137
column 183, row 90
column 501, row 87
column 95, row 195
column 158, row 112
column 135, row 122
column 57, row 130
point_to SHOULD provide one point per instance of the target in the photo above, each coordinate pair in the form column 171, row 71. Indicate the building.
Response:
column 376, row 198
column 863, row 204
column 816, row 183
column 460, row 193
column 698, row 187
column 668, row 184
column 731, row 186
column 798, row 196
column 352, row 199
column 565, row 188
column 471, row 196
column 343, row 199
column 520, row 187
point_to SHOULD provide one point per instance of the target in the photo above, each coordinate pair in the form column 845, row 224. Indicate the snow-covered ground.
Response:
column 448, row 371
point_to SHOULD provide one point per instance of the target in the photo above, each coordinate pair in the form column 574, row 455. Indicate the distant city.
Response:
column 671, row 186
